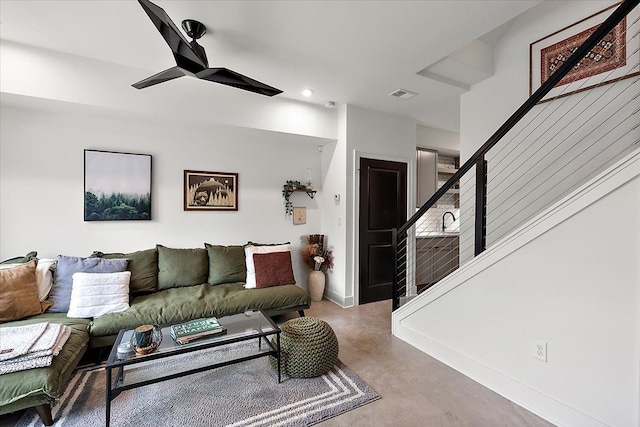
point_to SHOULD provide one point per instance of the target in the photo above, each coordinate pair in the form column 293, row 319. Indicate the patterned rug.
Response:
column 245, row 394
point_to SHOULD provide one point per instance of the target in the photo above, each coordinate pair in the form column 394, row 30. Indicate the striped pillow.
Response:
column 95, row 294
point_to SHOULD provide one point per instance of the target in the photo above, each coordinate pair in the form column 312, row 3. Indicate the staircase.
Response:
column 545, row 306
column 538, row 155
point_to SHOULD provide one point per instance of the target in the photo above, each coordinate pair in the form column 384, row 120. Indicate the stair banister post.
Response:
column 481, row 206
column 394, row 245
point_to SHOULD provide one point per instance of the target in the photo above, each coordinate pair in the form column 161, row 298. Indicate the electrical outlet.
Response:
column 540, row 350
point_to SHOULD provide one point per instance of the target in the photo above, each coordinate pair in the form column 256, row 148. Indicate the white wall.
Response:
column 41, row 182
column 85, row 81
column 540, row 160
column 375, row 135
column 95, row 107
column 333, row 214
column 558, row 280
column 57, row 133
column 443, row 141
column 361, row 133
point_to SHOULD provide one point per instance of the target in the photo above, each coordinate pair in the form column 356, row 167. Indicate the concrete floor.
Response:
column 415, row 389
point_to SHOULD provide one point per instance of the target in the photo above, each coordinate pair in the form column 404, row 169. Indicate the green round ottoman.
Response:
column 308, row 348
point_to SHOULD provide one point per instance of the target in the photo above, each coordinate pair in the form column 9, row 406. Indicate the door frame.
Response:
column 355, row 231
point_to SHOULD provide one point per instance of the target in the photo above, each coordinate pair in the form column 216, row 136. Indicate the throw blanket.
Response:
column 31, row 346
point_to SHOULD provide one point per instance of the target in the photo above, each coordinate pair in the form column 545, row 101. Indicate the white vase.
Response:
column 316, row 285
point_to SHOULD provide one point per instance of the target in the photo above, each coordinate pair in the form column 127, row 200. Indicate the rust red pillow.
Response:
column 273, row 269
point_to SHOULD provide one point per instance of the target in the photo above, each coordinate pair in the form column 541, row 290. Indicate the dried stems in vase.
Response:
column 315, row 255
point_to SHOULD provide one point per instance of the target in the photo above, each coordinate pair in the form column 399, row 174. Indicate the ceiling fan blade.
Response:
column 186, row 57
column 162, row 76
column 231, row 78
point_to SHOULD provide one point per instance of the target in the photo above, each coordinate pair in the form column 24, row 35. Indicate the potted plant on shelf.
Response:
column 320, row 260
column 287, row 189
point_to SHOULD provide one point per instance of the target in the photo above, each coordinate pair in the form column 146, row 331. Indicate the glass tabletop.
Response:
column 239, row 327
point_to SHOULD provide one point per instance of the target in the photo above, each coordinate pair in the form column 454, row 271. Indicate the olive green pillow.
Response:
column 143, row 266
column 250, row 243
column 226, row 264
column 181, row 267
column 21, row 259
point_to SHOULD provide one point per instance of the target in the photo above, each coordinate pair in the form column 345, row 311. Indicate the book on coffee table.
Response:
column 194, row 329
column 187, row 339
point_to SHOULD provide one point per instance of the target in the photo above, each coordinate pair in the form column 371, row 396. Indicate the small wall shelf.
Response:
column 291, row 187
column 310, row 193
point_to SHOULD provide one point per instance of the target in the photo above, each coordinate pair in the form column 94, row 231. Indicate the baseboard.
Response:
column 342, row 301
column 517, row 392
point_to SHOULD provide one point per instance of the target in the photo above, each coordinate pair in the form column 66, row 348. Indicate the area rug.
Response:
column 241, row 395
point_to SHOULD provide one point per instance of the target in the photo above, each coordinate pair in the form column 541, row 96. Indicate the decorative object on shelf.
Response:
column 117, row 186
column 291, row 187
column 615, row 57
column 446, row 167
column 446, row 162
column 299, row 215
column 309, row 185
column 210, row 191
column 146, row 339
column 320, row 260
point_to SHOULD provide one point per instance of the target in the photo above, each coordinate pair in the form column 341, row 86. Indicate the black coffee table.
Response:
column 240, row 327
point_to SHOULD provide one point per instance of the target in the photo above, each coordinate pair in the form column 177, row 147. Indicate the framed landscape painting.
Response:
column 117, row 186
column 615, row 57
column 210, row 191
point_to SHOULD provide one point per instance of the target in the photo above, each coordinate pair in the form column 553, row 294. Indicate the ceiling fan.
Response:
column 190, row 57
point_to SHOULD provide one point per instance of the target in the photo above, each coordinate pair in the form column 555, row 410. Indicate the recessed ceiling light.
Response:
column 307, row 92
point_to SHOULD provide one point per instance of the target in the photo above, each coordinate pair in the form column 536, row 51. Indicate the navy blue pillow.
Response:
column 60, row 294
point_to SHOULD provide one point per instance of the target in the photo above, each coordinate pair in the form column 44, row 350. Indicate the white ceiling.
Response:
column 354, row 52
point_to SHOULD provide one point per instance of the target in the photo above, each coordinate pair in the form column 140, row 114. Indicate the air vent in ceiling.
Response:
column 403, row 93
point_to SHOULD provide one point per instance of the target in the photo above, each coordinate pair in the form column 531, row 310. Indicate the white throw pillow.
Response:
column 96, row 294
column 251, row 269
column 44, row 275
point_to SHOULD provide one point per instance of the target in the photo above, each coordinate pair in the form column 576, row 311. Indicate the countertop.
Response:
column 432, row 235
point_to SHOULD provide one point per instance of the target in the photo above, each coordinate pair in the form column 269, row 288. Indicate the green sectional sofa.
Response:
column 159, row 294
column 179, row 304
column 41, row 387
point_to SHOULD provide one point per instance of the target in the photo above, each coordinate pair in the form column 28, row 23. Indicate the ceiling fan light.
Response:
column 190, row 57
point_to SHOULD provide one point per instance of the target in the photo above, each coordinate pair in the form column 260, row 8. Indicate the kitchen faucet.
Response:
column 444, row 227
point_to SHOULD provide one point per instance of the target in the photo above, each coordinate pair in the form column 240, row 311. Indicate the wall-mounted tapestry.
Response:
column 117, row 186
column 210, row 191
column 614, row 58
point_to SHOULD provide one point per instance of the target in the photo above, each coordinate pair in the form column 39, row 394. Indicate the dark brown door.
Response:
column 383, row 206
